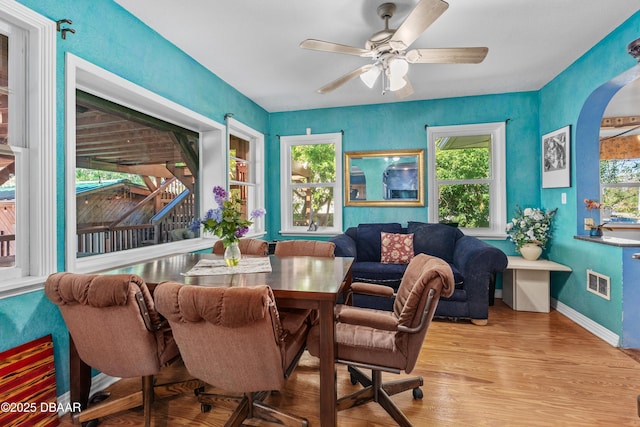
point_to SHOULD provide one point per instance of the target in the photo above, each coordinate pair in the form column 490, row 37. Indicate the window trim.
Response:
column 256, row 142
column 41, row 134
column 286, row 142
column 83, row 75
column 497, row 182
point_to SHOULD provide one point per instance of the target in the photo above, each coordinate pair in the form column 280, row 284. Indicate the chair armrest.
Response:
column 372, row 289
column 366, row 317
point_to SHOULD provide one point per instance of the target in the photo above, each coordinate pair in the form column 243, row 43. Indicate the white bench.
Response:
column 525, row 284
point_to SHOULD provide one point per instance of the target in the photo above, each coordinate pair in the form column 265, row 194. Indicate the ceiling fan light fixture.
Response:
column 369, row 78
column 396, row 83
column 398, row 68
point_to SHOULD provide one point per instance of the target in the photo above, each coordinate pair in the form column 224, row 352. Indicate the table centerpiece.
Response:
column 530, row 230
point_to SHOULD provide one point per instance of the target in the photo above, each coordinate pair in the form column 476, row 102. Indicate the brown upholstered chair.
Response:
column 247, row 247
column 388, row 341
column 304, row 248
column 115, row 328
column 233, row 338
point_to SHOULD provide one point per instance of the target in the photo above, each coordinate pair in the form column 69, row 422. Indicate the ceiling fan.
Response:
column 388, row 50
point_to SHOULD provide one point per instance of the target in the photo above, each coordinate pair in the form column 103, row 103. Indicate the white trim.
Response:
column 81, row 74
column 286, row 142
column 497, row 181
column 41, row 136
column 256, row 141
column 588, row 324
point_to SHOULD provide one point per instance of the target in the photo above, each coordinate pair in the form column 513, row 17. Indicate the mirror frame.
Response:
column 348, row 157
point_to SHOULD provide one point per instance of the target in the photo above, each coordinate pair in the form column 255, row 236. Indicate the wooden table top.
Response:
column 291, row 277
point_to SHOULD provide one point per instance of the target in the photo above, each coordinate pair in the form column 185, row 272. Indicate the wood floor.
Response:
column 522, row 369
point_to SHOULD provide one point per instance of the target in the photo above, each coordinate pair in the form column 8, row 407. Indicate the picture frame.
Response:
column 384, row 178
column 556, row 158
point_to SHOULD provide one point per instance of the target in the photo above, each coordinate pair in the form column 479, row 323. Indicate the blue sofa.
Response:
column 474, row 264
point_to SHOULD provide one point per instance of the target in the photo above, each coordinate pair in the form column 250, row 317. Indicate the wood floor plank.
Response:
column 522, row 369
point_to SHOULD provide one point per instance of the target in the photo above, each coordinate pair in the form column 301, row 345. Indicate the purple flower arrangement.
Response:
column 226, row 220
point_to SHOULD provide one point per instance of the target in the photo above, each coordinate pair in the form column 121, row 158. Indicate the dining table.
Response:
column 296, row 281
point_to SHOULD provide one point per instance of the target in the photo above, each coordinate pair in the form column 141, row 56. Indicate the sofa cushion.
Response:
column 369, row 243
column 376, row 272
column 434, row 239
column 397, row 248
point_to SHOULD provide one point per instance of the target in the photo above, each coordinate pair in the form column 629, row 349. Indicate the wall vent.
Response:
column 599, row 284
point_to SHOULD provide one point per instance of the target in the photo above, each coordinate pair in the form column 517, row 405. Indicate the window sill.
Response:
column 22, row 285
column 322, row 233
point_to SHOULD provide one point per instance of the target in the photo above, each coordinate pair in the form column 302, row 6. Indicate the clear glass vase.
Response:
column 232, row 254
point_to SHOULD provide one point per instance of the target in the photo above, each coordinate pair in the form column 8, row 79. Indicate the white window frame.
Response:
column 286, row 213
column 35, row 149
column 256, row 168
column 496, row 181
column 83, row 75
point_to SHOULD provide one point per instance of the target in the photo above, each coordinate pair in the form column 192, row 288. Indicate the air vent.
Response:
column 599, row 284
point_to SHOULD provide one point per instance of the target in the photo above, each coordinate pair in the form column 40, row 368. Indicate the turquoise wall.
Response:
column 402, row 126
column 578, row 97
column 111, row 38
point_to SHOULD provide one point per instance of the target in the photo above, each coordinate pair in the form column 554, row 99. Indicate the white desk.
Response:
column 525, row 284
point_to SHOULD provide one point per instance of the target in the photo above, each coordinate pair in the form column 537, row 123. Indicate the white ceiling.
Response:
column 253, row 44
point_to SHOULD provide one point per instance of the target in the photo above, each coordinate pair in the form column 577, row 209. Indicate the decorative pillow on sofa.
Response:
column 396, row 248
column 434, row 239
column 368, row 244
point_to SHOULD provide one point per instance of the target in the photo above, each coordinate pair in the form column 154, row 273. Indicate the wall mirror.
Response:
column 384, row 178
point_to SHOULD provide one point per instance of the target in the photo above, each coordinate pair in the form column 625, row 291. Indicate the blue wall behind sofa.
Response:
column 402, row 126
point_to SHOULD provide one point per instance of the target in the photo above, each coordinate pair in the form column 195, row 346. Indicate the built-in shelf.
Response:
column 611, row 241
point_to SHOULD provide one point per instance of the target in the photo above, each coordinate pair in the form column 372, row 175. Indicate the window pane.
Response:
column 313, row 206
column 7, row 166
column 245, row 194
column 619, row 171
column 313, row 163
column 239, row 160
column 135, row 178
column 466, row 204
column 465, row 157
column 621, row 204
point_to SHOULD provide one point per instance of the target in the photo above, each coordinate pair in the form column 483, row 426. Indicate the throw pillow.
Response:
column 368, row 243
column 396, row 248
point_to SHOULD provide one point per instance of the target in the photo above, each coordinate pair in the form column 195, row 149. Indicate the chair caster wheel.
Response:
column 91, row 423
column 205, row 407
column 198, row 390
column 353, row 378
column 417, row 393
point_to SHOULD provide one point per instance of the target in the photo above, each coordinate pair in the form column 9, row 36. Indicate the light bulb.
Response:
column 398, row 67
column 369, row 78
column 396, row 83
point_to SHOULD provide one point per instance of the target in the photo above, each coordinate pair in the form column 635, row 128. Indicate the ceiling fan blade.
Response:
column 455, row 55
column 405, row 91
column 323, row 46
column 423, row 15
column 344, row 79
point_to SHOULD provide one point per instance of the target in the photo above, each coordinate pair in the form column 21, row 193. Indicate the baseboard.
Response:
column 98, row 383
column 588, row 324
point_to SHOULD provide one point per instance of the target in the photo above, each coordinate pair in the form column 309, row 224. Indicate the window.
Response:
column 311, row 184
column 466, row 177
column 197, row 145
column 136, row 177
column 246, row 170
column 620, row 168
column 27, row 127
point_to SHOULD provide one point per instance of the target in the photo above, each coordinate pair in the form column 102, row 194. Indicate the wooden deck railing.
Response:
column 6, row 243
column 98, row 240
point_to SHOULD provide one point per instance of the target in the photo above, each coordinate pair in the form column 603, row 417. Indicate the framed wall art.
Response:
column 556, row 158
